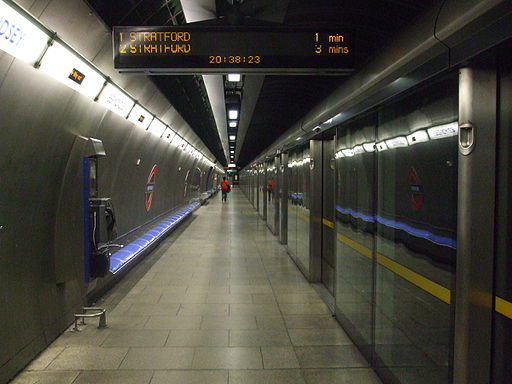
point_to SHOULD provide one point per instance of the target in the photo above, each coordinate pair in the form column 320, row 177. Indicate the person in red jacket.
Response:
column 225, row 188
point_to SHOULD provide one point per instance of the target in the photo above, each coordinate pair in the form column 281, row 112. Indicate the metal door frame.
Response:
column 283, row 199
column 475, row 224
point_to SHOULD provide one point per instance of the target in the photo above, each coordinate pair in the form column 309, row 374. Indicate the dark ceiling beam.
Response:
column 125, row 16
column 162, row 6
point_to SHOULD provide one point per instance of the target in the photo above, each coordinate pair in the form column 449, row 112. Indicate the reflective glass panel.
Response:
column 355, row 219
column 415, row 246
column 502, row 358
column 303, row 209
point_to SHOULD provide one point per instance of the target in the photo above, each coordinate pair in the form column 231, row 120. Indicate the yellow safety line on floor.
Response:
column 503, row 307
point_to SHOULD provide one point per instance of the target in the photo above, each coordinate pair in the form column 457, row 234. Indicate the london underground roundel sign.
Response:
column 416, row 190
column 150, row 187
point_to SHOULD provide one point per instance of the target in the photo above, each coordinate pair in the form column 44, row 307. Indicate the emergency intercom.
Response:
column 103, row 220
column 99, row 217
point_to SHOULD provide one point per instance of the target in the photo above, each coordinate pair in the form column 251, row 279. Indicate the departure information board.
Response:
column 213, row 49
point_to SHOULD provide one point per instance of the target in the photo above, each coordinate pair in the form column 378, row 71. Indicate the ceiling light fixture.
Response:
column 232, row 137
column 233, row 114
column 233, row 124
column 234, row 77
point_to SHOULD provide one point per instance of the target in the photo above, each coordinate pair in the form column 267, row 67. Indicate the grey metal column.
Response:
column 277, row 163
column 251, row 187
column 475, row 237
column 257, row 185
column 283, row 199
column 263, row 190
column 269, row 195
column 328, row 216
column 315, row 219
column 255, row 189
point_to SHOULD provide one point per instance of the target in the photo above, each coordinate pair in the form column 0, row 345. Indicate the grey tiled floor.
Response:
column 218, row 302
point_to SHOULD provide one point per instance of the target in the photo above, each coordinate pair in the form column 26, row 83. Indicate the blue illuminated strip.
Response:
column 122, row 257
column 207, row 195
column 358, row 215
column 421, row 233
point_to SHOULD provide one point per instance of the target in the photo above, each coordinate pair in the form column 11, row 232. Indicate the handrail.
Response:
column 102, row 314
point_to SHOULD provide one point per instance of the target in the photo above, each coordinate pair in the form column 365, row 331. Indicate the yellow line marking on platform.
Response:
column 435, row 289
column 420, row 281
column 503, row 307
column 328, row 223
column 415, row 278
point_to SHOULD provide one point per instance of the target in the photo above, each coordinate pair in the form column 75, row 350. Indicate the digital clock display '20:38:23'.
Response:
column 214, row 59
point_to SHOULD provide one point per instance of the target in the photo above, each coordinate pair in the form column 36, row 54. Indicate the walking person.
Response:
column 225, row 188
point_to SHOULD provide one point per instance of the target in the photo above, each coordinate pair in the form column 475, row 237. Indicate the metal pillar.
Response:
column 328, row 216
column 283, row 199
column 263, row 191
column 277, row 163
column 475, row 225
column 256, row 181
column 315, row 222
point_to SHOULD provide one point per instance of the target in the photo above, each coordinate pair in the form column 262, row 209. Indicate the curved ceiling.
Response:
column 283, row 100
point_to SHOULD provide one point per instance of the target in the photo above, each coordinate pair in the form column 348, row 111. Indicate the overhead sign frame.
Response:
column 227, row 49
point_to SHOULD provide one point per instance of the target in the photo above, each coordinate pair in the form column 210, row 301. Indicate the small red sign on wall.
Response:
column 150, row 187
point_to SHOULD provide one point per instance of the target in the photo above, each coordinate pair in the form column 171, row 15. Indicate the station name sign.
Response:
column 213, row 49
